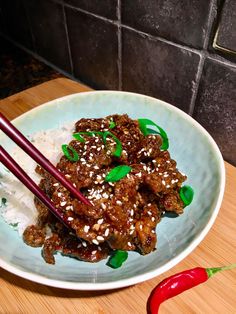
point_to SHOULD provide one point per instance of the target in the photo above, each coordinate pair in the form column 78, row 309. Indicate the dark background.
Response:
column 180, row 51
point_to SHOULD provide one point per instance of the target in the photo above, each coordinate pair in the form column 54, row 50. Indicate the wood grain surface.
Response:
column 218, row 295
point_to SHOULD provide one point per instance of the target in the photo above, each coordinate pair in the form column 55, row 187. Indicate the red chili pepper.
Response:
column 178, row 283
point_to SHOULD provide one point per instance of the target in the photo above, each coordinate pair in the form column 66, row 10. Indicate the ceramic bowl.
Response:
column 196, row 154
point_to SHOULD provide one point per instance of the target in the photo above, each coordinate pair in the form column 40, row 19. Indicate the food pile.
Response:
column 124, row 169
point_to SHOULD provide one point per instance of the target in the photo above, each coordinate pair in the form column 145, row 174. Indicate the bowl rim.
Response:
column 150, row 274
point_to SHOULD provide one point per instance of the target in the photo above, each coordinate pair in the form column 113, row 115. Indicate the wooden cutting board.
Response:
column 218, row 295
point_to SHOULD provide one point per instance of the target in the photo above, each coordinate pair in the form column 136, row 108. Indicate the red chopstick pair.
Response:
column 10, row 130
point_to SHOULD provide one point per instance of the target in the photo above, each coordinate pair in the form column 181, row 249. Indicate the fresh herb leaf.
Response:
column 70, row 153
column 186, row 194
column 112, row 124
column 117, row 259
column 117, row 173
column 143, row 123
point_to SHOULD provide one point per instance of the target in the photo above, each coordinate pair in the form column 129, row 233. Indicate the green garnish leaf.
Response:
column 104, row 135
column 112, row 124
column 117, row 259
column 14, row 225
column 186, row 194
column 3, row 202
column 118, row 149
column 117, row 173
column 143, row 123
column 78, row 136
column 70, row 153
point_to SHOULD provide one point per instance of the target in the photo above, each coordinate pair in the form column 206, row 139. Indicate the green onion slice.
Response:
column 117, row 173
column 70, row 153
column 80, row 138
column 117, row 259
column 118, row 149
column 104, row 135
column 143, row 123
column 112, row 124
column 186, row 194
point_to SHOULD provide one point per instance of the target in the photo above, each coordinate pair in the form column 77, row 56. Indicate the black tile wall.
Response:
column 106, row 8
column 49, row 31
column 215, row 106
column 227, row 29
column 179, row 20
column 158, row 69
column 15, row 22
column 94, row 49
column 162, row 48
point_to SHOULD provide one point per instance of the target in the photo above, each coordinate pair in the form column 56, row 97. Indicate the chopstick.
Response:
column 10, row 163
column 9, row 129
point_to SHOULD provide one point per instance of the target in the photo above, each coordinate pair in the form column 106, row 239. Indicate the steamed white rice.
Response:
column 20, row 210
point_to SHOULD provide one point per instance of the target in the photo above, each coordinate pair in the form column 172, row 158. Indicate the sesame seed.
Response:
column 86, row 228
column 100, row 221
column 84, row 243
column 99, row 248
column 153, row 231
column 132, row 227
column 118, row 202
column 78, row 246
column 103, row 206
column 69, row 207
column 168, row 162
column 70, row 218
column 95, row 241
column 139, row 174
column 68, row 176
column 100, row 238
column 132, row 212
column 105, row 195
column 94, row 252
column 149, row 213
column 153, row 219
column 172, row 181
column 56, row 184
column 63, row 203
column 106, row 232
column 74, row 184
column 59, row 194
column 141, row 227
column 129, row 244
column 82, row 159
column 154, row 161
column 131, row 232
column 160, row 173
column 163, row 182
column 168, row 186
column 166, row 175
column 96, row 167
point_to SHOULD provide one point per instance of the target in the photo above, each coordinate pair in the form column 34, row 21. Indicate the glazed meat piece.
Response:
column 125, row 212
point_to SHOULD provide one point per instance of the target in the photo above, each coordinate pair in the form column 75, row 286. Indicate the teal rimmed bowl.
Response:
column 196, row 154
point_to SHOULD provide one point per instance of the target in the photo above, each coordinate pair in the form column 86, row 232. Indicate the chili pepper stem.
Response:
column 213, row 271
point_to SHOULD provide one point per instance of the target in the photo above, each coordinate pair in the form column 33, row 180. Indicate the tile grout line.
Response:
column 119, row 39
column 203, row 57
column 210, row 21
column 68, row 40
column 196, row 87
column 30, row 27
